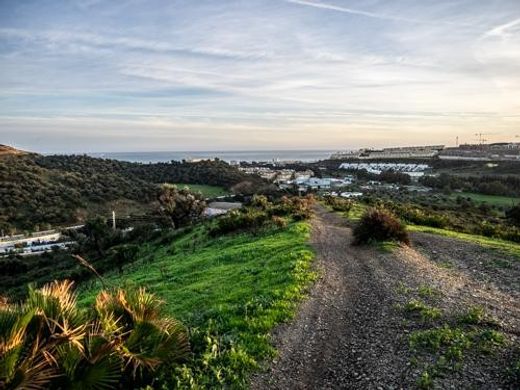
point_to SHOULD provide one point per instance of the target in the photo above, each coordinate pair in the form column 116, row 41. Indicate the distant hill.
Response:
column 38, row 191
column 6, row 150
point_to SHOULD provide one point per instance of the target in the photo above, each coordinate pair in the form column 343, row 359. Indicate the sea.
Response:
column 228, row 156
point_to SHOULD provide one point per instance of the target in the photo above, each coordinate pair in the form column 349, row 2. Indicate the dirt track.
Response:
column 352, row 332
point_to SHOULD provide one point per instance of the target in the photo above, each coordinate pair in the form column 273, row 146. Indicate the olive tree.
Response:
column 181, row 206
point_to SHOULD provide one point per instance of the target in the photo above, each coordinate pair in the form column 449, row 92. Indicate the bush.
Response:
column 378, row 224
column 513, row 215
column 279, row 221
column 180, row 205
column 48, row 342
column 299, row 208
column 239, row 220
column 13, row 266
column 339, row 204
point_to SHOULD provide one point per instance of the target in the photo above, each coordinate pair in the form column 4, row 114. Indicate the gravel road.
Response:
column 351, row 332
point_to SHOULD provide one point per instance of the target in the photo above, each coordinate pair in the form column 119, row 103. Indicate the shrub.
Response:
column 339, row 204
column 513, row 215
column 279, row 221
column 13, row 266
column 261, row 202
column 239, row 220
column 182, row 206
column 47, row 342
column 299, row 208
column 378, row 224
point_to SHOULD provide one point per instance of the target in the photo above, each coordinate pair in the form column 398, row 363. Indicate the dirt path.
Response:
column 352, row 333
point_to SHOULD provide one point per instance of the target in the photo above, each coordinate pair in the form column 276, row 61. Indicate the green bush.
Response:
column 378, row 224
column 239, row 220
column 48, row 342
column 339, row 204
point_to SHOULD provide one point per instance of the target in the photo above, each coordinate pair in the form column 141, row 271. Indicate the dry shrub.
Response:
column 378, row 224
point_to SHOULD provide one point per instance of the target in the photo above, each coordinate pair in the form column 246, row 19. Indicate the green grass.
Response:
column 489, row 199
column 423, row 311
column 357, row 211
column 230, row 291
column 205, row 190
column 488, row 242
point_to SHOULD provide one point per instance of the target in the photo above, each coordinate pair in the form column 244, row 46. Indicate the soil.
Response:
column 353, row 333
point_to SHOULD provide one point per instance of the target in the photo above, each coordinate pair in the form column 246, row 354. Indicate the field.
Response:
column 489, row 199
column 230, row 291
column 205, row 190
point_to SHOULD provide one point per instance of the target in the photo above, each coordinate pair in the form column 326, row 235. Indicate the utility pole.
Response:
column 457, row 142
column 113, row 220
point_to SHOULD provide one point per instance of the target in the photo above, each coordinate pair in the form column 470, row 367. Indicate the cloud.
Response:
column 256, row 73
column 506, row 29
column 375, row 15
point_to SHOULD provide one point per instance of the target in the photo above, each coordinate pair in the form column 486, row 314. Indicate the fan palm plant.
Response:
column 47, row 342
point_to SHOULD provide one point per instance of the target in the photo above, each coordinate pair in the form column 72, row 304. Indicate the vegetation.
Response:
column 423, row 311
column 339, row 204
column 262, row 213
column 461, row 215
column 240, row 286
column 39, row 191
column 514, row 215
column 378, row 224
column 206, row 190
column 182, row 207
column 491, row 200
column 501, row 245
column 48, row 342
column 487, row 184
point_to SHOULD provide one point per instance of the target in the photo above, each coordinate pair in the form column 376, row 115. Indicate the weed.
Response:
column 488, row 339
column 403, row 288
column 473, row 316
column 446, row 264
column 425, row 312
column 425, row 381
column 436, row 339
column 425, row 291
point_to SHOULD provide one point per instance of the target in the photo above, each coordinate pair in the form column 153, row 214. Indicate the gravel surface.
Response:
column 352, row 332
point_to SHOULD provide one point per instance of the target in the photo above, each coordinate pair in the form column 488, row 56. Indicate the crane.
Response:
column 480, row 137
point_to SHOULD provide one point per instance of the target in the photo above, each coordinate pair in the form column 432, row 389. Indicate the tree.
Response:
column 180, row 205
column 97, row 232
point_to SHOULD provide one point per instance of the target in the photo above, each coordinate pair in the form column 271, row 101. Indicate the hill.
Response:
column 6, row 150
column 37, row 191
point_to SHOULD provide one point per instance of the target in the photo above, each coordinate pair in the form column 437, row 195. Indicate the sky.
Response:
column 145, row 75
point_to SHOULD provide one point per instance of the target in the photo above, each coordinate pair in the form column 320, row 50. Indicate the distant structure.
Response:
column 413, row 170
column 499, row 151
column 481, row 151
column 422, row 152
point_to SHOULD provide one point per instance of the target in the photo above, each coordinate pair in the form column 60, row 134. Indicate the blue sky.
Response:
column 103, row 75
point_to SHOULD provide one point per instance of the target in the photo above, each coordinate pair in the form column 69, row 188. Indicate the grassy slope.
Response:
column 205, row 190
column 231, row 291
column 493, row 243
column 489, row 199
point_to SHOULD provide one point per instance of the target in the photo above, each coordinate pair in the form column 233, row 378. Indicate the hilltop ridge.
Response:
column 6, row 150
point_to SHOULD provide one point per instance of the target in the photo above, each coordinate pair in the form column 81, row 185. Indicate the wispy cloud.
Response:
column 509, row 28
column 375, row 15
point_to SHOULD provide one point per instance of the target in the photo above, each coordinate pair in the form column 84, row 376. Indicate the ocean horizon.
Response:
column 228, row 156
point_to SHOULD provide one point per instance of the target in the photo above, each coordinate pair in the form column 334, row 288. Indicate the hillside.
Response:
column 38, row 191
column 6, row 150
